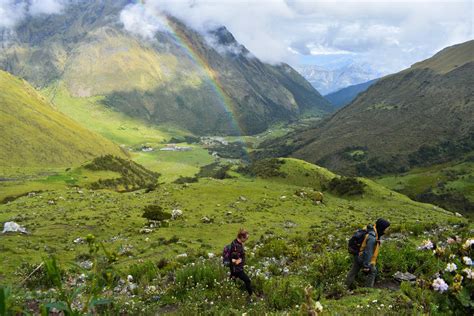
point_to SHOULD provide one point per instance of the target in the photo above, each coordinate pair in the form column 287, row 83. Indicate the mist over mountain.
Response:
column 206, row 83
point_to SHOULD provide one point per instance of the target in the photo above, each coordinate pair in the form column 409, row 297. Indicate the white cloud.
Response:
column 386, row 34
column 46, row 6
column 142, row 21
column 13, row 11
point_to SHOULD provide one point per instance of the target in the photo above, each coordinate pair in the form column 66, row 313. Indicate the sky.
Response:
column 387, row 35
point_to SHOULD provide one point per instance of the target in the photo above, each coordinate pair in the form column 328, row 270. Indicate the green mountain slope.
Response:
column 160, row 80
column 346, row 95
column 34, row 134
column 419, row 116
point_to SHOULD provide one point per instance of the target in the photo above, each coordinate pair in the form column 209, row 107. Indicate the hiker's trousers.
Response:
column 356, row 266
column 244, row 277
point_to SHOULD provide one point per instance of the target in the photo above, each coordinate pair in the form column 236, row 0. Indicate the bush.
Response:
column 155, row 213
column 329, row 270
column 281, row 293
column 265, row 168
column 346, row 186
column 203, row 274
column 143, row 273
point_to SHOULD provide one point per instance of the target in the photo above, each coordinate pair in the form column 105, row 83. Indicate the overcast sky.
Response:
column 388, row 35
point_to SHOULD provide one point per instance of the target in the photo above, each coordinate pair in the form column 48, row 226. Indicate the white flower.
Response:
column 469, row 273
column 374, row 301
column 467, row 261
column 468, row 243
column 210, row 255
column 319, row 307
column 451, row 267
column 426, row 244
column 439, row 285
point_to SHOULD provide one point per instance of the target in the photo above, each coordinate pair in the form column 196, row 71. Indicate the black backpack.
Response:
column 226, row 255
column 356, row 241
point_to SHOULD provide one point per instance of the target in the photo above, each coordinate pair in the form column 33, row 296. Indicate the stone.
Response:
column 176, row 214
column 406, row 276
column 12, row 227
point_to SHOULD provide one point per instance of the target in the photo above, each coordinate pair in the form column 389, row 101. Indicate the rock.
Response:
column 458, row 214
column 289, row 224
column 31, row 194
column 86, row 264
column 210, row 255
column 176, row 214
column 183, row 255
column 146, row 231
column 51, row 202
column 78, row 240
column 400, row 276
column 242, row 198
column 228, row 213
column 283, row 197
column 206, row 220
column 12, row 227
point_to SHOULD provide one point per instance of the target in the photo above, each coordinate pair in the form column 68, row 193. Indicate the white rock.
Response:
column 176, row 214
column 13, row 227
column 183, row 255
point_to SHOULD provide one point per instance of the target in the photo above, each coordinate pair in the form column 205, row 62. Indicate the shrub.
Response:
column 265, row 168
column 281, row 293
column 143, row 273
column 203, row 274
column 346, row 186
column 155, row 213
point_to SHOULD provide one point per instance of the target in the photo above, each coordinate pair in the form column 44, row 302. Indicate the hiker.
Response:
column 237, row 255
column 365, row 246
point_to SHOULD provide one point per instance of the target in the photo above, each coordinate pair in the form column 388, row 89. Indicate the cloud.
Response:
column 14, row 11
column 386, row 34
column 142, row 21
column 11, row 12
column 46, row 6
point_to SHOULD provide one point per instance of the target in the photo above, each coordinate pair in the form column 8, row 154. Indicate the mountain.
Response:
column 328, row 79
column 206, row 83
column 346, row 95
column 420, row 116
column 34, row 134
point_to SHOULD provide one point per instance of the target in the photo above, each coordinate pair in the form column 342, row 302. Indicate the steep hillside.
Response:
column 206, row 83
column 345, row 96
column 419, row 116
column 35, row 134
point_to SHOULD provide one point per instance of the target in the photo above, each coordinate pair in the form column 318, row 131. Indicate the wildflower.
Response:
column 439, row 251
column 451, row 267
column 467, row 261
column 439, row 285
column 469, row 273
column 468, row 243
column 374, row 301
column 318, row 307
column 426, row 244
column 451, row 241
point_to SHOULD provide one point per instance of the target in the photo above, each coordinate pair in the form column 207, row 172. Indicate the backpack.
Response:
column 226, row 255
column 356, row 241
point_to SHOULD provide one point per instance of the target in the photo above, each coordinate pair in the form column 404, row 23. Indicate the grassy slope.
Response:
column 107, row 214
column 36, row 135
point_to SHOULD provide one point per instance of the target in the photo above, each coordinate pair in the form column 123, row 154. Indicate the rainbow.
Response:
column 210, row 76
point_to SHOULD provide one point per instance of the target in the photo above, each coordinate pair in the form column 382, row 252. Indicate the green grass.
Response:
column 34, row 134
column 456, row 175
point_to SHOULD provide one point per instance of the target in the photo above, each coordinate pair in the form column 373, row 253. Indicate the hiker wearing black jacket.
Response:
column 367, row 257
column 238, row 259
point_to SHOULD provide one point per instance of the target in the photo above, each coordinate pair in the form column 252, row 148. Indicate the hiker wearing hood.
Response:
column 366, row 257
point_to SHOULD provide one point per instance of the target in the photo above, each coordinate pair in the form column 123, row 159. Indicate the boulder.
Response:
column 176, row 214
column 404, row 276
column 12, row 227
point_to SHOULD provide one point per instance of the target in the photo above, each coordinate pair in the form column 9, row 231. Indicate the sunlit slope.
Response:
column 35, row 134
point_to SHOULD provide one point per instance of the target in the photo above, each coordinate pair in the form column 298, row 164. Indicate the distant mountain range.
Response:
column 419, row 116
column 205, row 83
column 330, row 79
column 346, row 95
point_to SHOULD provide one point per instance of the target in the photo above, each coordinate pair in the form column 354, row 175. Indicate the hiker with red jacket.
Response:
column 237, row 255
column 365, row 246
